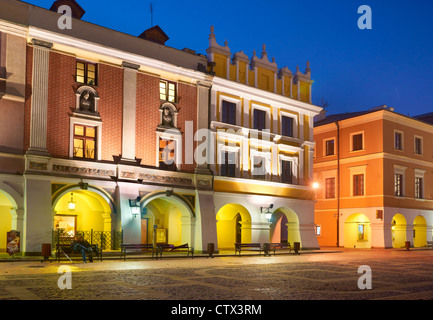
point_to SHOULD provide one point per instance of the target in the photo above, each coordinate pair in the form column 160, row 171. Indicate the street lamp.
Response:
column 135, row 206
column 267, row 212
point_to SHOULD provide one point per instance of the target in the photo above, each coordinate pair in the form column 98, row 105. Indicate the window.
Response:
column 286, row 171
column 166, row 154
column 228, row 112
column 167, row 91
column 357, row 142
column 418, row 145
column 259, row 168
column 398, row 185
column 228, row 164
column 318, row 230
column 329, row 147
column 418, row 188
column 330, row 188
column 358, row 184
column 398, row 140
column 361, row 232
column 287, row 126
column 84, row 142
column 86, row 73
column 259, row 119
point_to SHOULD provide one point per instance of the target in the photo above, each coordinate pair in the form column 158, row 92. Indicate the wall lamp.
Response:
column 71, row 204
column 135, row 206
column 267, row 212
column 169, row 193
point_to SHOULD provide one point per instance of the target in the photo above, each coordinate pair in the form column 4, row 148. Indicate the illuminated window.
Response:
column 84, row 142
column 418, row 188
column 166, row 154
column 398, row 185
column 86, row 73
column 167, row 91
column 318, row 230
column 361, row 232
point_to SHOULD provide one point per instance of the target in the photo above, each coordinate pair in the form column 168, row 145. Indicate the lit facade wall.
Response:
column 89, row 128
column 256, row 124
column 385, row 212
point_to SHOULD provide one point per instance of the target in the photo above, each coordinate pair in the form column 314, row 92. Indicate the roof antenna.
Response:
column 151, row 14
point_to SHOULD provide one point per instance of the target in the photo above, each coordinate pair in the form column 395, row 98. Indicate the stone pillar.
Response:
column 206, row 230
column 38, row 225
column 203, row 93
column 39, row 99
column 129, row 110
column 308, row 236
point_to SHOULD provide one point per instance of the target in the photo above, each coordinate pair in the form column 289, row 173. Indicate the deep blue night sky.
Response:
column 352, row 69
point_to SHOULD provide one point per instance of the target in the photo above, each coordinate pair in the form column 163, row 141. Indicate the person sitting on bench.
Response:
column 83, row 246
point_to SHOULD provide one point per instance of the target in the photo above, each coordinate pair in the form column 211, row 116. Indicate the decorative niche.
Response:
column 167, row 115
column 87, row 102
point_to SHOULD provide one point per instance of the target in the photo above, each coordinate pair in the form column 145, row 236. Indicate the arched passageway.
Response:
column 398, row 231
column 419, row 232
column 357, row 231
column 233, row 225
column 284, row 226
column 167, row 220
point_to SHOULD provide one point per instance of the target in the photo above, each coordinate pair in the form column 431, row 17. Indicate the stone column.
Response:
column 39, row 106
column 129, row 110
column 203, row 93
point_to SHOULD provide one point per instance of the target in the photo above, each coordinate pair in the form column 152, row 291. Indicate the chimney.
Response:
column 154, row 34
column 77, row 11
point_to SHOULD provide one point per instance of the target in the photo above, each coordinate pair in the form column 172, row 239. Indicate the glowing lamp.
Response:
column 71, row 204
column 315, row 185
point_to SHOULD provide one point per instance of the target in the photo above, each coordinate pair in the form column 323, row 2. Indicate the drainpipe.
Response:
column 338, row 182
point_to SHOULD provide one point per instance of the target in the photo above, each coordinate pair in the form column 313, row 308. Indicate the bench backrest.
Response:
column 246, row 245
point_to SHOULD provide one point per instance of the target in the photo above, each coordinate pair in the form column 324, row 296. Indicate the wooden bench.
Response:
column 137, row 248
column 430, row 244
column 66, row 250
column 280, row 246
column 172, row 248
column 239, row 247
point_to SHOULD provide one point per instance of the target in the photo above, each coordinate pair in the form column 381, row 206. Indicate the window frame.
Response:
column 232, row 104
column 359, row 185
column 85, row 138
column 98, row 133
column 330, row 188
column 86, row 72
column 415, row 145
column 352, row 135
column 167, row 90
column 293, row 125
column 401, row 133
column 325, row 147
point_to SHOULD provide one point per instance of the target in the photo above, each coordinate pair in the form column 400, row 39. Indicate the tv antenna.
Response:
column 151, row 14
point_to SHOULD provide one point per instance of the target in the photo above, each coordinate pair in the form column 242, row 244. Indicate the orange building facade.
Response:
column 374, row 170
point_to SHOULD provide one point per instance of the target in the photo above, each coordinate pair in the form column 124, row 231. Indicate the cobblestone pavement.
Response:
column 396, row 275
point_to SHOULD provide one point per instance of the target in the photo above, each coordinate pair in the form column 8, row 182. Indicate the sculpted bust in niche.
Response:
column 87, row 102
column 167, row 118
